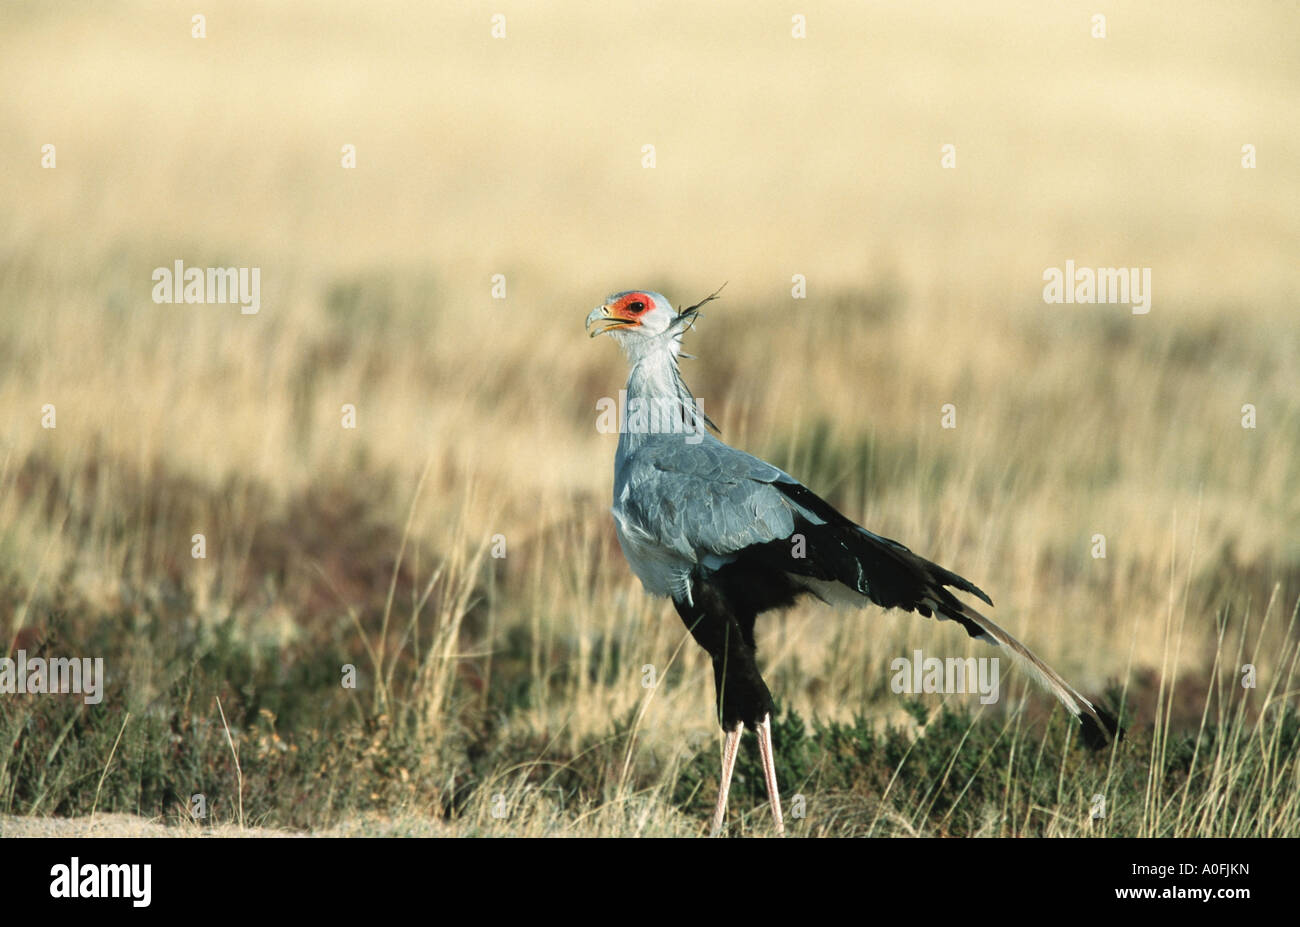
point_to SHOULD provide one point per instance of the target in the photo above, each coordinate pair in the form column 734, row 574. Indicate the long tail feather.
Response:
column 880, row 570
column 1099, row 725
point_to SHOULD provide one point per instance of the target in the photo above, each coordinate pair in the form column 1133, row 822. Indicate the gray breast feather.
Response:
column 702, row 500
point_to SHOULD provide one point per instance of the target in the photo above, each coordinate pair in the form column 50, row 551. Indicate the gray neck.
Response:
column 658, row 401
column 655, row 375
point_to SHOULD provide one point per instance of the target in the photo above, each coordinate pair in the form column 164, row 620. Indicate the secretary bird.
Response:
column 714, row 529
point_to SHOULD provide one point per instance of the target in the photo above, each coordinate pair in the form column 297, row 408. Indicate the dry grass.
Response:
column 521, row 677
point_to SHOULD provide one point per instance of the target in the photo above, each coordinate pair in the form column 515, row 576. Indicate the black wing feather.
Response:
column 880, row 568
column 891, row 576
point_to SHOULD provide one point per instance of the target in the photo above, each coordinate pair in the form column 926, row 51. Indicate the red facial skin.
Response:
column 623, row 308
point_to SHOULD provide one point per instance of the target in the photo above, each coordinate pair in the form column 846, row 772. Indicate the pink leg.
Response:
column 769, row 771
column 729, row 751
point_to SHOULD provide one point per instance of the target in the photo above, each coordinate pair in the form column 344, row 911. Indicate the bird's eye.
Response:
column 637, row 306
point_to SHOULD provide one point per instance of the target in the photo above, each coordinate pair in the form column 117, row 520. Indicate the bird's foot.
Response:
column 729, row 750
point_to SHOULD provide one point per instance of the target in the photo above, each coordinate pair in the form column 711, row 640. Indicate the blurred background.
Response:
column 524, row 156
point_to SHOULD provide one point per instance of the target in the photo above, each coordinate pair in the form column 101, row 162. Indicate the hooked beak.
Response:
column 601, row 314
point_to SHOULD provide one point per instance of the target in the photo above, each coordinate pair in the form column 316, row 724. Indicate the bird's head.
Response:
column 641, row 319
column 632, row 314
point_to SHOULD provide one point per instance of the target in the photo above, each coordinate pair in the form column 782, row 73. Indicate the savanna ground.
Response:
column 503, row 695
